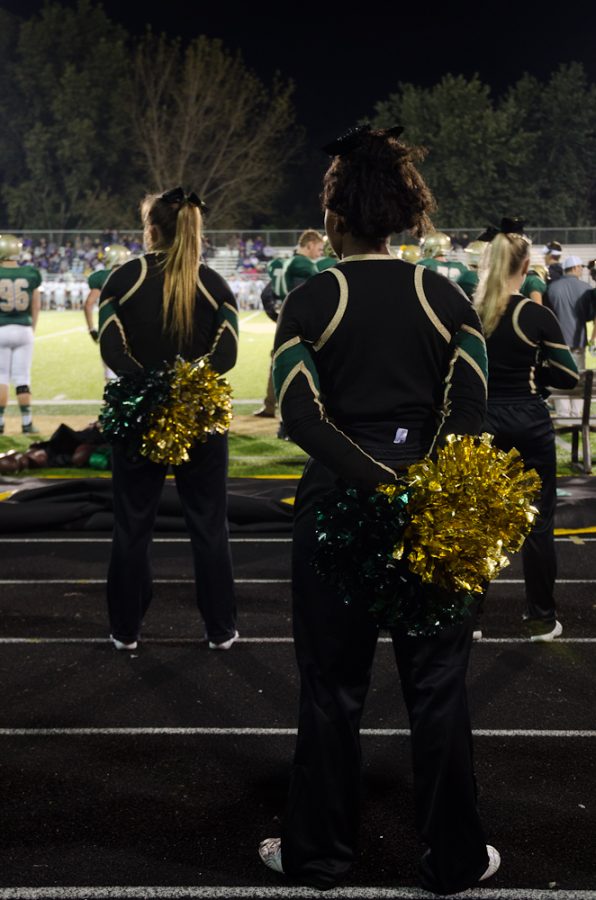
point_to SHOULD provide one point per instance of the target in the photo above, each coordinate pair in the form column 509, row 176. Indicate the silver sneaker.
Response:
column 225, row 645
column 494, row 861
column 270, row 853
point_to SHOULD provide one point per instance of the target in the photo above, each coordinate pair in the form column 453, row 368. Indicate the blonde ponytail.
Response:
column 505, row 258
column 179, row 228
column 180, row 274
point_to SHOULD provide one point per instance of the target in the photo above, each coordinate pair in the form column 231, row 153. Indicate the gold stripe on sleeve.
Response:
column 339, row 312
column 418, row 276
column 557, row 365
column 291, row 343
column 300, row 367
column 516, row 326
column 473, row 331
column 472, row 362
column 139, row 281
column 204, row 291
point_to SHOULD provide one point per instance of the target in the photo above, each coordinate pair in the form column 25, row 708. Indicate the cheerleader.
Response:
column 376, row 362
column 152, row 309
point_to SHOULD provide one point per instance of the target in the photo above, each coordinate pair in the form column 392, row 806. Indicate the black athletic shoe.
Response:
column 29, row 429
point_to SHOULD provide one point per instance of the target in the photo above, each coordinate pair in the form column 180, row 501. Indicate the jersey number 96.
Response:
column 14, row 296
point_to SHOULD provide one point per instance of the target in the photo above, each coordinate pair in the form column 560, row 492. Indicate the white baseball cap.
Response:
column 570, row 262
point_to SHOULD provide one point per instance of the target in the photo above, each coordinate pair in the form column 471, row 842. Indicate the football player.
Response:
column 435, row 249
column 468, row 280
column 114, row 256
column 20, row 303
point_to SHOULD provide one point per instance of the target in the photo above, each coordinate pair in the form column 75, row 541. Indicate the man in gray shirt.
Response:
column 570, row 300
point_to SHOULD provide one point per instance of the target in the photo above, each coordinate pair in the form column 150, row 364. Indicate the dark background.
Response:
column 343, row 62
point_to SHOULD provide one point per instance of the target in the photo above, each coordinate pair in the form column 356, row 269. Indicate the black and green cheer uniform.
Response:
column 132, row 339
column 451, row 268
column 17, row 284
column 527, row 352
column 376, row 360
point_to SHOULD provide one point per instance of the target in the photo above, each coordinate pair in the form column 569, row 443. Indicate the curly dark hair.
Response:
column 377, row 188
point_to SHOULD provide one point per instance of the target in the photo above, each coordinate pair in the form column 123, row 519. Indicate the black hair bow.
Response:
column 353, row 138
column 177, row 195
column 507, row 226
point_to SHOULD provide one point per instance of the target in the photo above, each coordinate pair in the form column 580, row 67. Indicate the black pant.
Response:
column 527, row 426
column 335, row 645
column 202, row 486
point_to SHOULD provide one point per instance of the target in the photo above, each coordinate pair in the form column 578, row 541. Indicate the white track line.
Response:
column 281, row 892
column 257, row 640
column 185, row 540
column 108, row 540
column 7, row 581
column 276, row 732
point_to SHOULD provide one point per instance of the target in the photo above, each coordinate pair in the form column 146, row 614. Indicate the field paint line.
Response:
column 252, row 315
column 254, row 640
column 108, row 540
column 8, row 581
column 45, row 337
column 279, row 892
column 273, row 732
column 186, row 540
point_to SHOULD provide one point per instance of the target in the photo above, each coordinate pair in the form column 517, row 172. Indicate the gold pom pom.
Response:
column 468, row 510
column 200, row 404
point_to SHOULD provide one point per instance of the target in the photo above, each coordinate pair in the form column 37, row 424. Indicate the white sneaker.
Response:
column 225, row 645
column 270, row 853
column 556, row 632
column 494, row 861
column 477, row 635
column 120, row 646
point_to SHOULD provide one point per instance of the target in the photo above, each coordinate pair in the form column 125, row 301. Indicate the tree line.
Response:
column 92, row 118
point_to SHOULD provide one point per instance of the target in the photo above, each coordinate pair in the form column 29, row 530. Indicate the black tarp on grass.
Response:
column 85, row 504
column 255, row 504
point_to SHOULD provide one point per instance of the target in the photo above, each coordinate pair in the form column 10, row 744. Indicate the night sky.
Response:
column 342, row 63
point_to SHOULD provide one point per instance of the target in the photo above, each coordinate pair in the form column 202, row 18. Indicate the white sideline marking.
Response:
column 256, row 640
column 45, row 337
column 185, row 540
column 108, row 540
column 155, row 581
column 217, row 892
column 277, row 732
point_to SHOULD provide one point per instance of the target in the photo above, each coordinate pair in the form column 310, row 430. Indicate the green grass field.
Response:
column 67, row 384
column 66, row 362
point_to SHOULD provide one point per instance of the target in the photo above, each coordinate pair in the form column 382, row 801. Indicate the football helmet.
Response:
column 115, row 255
column 475, row 251
column 10, row 246
column 436, row 244
column 539, row 270
column 411, row 253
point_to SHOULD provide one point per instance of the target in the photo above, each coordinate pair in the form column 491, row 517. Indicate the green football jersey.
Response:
column 97, row 279
column 17, row 284
column 286, row 274
column 468, row 282
column 451, row 269
column 533, row 282
column 326, row 262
